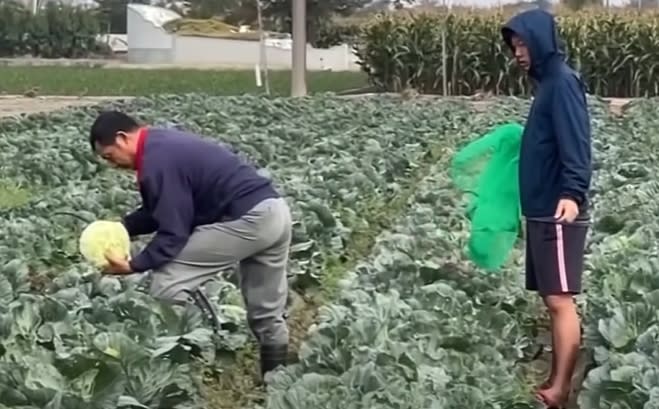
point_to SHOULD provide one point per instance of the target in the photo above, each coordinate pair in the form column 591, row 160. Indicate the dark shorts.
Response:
column 555, row 256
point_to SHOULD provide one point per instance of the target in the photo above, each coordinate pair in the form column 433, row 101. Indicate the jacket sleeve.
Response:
column 571, row 123
column 173, row 211
column 139, row 222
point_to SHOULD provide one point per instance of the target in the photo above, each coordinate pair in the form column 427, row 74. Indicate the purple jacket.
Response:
column 186, row 181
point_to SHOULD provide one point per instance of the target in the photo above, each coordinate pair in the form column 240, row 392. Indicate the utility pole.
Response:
column 298, row 73
column 263, row 59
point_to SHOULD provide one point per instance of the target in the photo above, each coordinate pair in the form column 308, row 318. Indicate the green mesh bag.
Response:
column 486, row 170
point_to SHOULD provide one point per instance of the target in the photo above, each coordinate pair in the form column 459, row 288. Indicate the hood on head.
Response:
column 537, row 28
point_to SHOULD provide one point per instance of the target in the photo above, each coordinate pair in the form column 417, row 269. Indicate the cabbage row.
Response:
column 622, row 310
column 69, row 337
column 339, row 162
column 417, row 326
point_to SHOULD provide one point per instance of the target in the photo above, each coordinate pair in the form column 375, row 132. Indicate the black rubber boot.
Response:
column 273, row 356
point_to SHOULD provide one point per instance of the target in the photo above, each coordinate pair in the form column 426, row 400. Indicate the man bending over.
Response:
column 210, row 210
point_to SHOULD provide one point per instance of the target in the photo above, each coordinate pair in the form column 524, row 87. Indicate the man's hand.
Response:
column 566, row 211
column 117, row 265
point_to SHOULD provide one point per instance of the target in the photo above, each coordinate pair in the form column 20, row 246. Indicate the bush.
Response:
column 617, row 52
column 331, row 33
column 57, row 31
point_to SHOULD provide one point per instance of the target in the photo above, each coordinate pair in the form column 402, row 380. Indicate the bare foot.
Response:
column 554, row 397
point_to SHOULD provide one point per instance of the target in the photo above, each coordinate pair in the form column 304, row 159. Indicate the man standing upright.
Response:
column 554, row 175
column 209, row 210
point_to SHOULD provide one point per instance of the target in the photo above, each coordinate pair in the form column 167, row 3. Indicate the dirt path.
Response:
column 616, row 105
column 481, row 101
column 15, row 105
column 12, row 105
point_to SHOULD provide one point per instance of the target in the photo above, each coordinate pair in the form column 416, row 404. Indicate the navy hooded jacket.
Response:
column 555, row 156
column 186, row 181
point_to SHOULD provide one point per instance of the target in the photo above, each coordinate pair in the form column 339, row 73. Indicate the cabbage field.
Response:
column 404, row 320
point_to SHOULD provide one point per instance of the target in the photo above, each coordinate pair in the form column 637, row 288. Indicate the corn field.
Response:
column 57, row 31
column 616, row 52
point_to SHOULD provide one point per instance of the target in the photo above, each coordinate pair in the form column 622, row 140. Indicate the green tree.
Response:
column 244, row 12
column 113, row 14
column 319, row 14
column 579, row 4
column 205, row 9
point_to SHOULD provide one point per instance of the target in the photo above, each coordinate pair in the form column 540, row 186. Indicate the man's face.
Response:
column 521, row 53
column 120, row 153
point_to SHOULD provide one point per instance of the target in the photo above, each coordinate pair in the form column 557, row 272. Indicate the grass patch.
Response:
column 12, row 195
column 90, row 81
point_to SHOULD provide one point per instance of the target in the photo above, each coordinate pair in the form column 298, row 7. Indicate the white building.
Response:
column 150, row 43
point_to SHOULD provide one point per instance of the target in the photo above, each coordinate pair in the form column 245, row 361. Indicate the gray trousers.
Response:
column 259, row 243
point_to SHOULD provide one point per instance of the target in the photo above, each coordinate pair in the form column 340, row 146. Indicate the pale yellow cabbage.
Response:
column 104, row 236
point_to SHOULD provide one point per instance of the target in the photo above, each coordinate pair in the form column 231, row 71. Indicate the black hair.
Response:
column 107, row 125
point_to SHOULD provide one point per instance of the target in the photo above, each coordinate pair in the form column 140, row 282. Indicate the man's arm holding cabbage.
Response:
column 139, row 222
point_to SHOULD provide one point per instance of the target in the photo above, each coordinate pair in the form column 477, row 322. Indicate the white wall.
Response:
column 245, row 54
column 147, row 42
